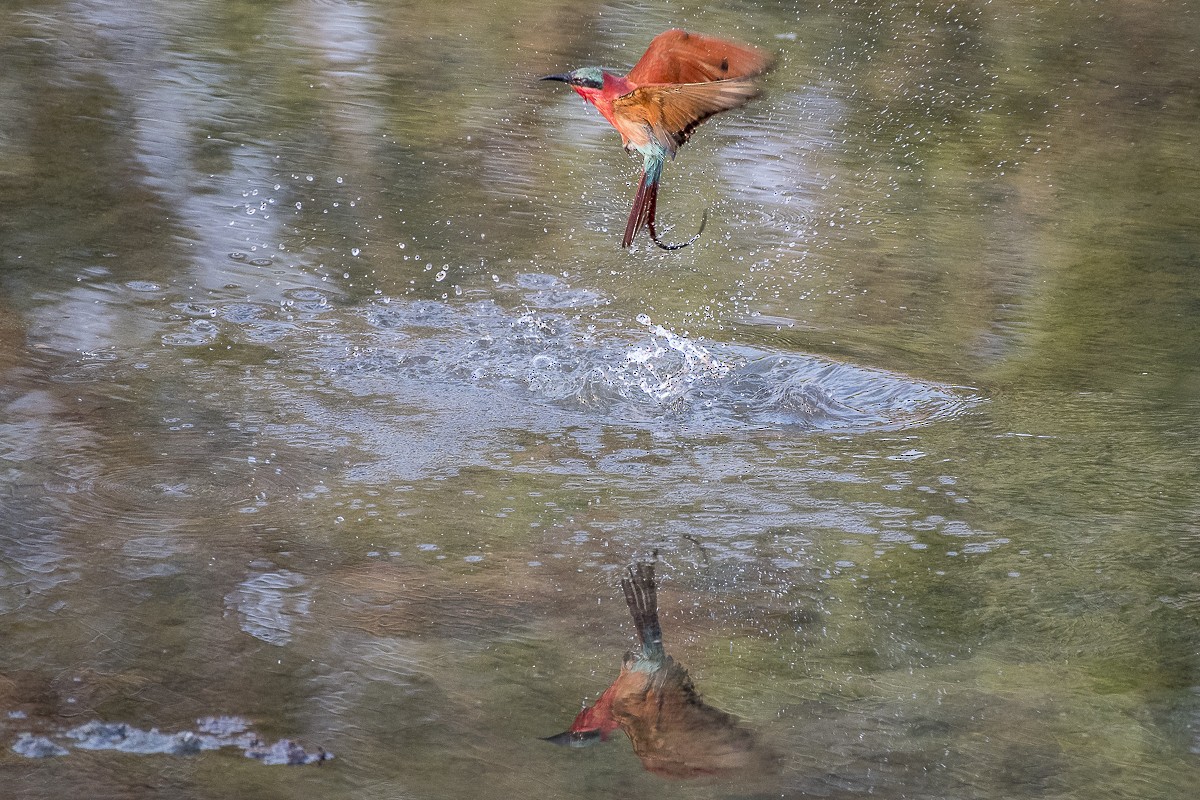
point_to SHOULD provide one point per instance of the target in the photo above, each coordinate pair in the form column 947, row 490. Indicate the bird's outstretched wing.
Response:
column 680, row 57
column 667, row 114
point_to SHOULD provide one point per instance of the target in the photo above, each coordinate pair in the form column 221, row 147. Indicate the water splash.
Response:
column 635, row 374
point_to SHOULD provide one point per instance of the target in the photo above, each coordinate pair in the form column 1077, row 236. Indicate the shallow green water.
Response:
column 329, row 402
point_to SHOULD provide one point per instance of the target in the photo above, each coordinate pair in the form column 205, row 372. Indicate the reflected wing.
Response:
column 669, row 114
column 681, row 57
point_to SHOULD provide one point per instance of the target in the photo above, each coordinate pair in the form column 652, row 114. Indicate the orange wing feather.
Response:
column 680, row 57
column 670, row 113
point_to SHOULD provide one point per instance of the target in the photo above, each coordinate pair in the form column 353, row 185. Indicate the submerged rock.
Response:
column 286, row 751
column 32, row 746
column 212, row 733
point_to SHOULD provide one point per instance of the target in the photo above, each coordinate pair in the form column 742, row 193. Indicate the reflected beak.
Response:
column 576, row 738
column 565, row 77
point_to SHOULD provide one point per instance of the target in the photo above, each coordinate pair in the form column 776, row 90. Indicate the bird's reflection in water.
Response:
column 673, row 731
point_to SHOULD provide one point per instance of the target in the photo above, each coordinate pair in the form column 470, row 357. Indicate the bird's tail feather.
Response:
column 644, row 201
column 641, row 596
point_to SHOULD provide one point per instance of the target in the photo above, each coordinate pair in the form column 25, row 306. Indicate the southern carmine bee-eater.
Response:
column 673, row 731
column 681, row 80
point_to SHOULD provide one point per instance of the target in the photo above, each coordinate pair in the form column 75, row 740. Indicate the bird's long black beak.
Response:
column 565, row 77
column 575, row 738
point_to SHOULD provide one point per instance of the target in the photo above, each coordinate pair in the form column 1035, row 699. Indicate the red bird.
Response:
column 673, row 731
column 681, row 80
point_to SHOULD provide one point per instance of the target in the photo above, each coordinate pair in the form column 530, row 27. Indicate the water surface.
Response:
column 331, row 410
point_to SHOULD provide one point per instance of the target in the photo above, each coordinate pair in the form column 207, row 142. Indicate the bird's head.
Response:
column 587, row 81
column 584, row 733
column 591, row 726
column 587, row 77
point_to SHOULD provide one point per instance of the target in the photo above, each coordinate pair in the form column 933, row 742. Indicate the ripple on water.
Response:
column 33, row 561
column 198, row 333
column 242, row 313
column 143, row 286
column 125, row 497
column 268, row 331
column 195, row 310
column 549, row 292
column 306, row 301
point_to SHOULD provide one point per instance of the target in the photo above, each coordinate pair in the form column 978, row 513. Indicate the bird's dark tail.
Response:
column 644, row 201
column 641, row 595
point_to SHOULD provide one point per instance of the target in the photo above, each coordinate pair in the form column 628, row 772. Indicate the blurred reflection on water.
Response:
column 654, row 702
column 330, row 411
